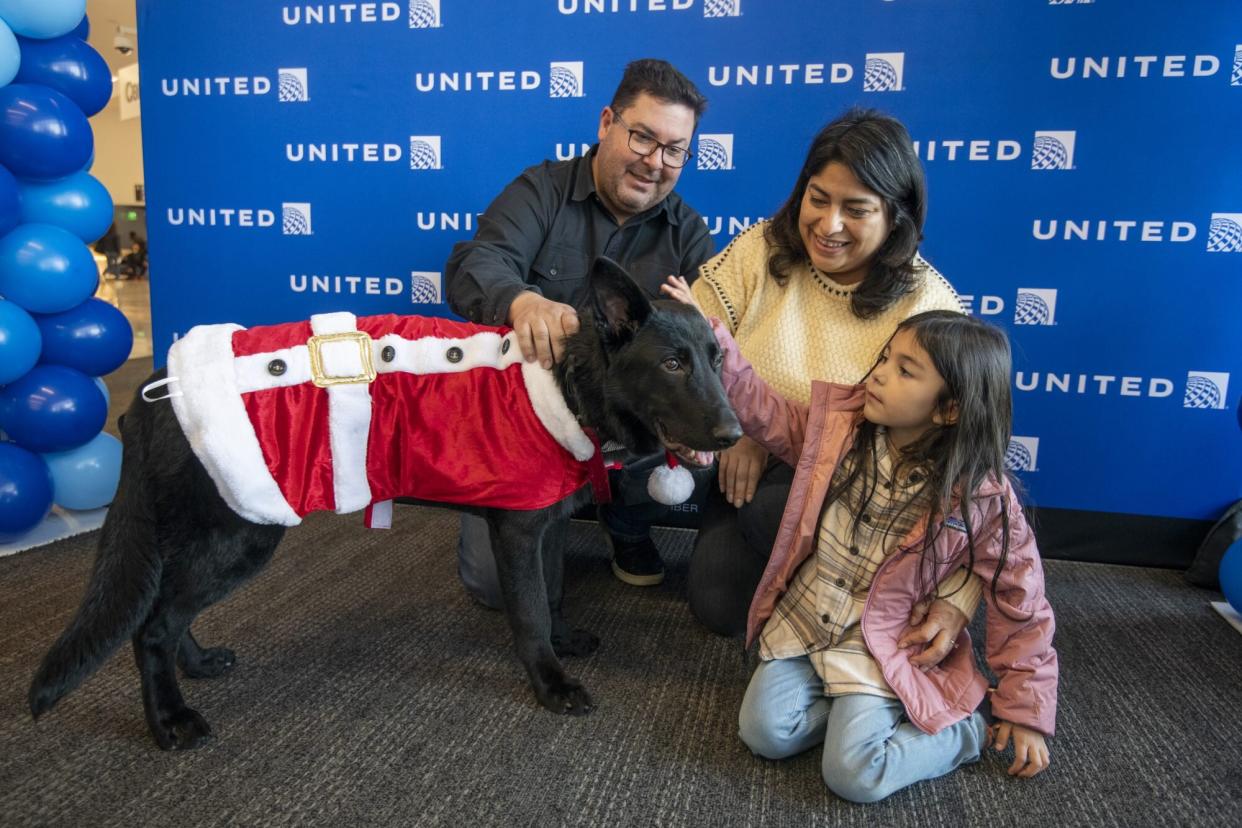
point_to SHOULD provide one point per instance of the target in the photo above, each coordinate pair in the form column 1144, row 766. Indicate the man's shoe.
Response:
column 637, row 563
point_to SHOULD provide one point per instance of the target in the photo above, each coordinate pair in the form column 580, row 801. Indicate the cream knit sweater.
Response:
column 803, row 330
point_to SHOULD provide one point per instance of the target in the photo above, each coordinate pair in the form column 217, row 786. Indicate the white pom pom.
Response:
column 670, row 485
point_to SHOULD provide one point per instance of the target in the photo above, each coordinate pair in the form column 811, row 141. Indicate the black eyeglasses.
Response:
column 644, row 144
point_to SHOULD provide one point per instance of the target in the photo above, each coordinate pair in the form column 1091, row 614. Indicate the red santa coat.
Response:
column 342, row 412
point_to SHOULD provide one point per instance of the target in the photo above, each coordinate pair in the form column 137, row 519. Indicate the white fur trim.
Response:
column 550, row 408
column 670, row 485
column 430, row 355
column 212, row 415
column 349, row 413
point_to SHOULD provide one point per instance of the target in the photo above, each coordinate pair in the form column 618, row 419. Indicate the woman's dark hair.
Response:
column 659, row 79
column 877, row 150
column 954, row 459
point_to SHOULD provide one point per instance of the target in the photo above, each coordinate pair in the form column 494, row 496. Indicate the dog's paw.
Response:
column 576, row 643
column 183, row 729
column 567, row 697
column 213, row 662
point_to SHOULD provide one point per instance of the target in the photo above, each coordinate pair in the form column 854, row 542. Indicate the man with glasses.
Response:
column 527, row 266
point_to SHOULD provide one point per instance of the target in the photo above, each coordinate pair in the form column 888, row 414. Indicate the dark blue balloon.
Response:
column 83, row 30
column 20, row 341
column 10, row 203
column 46, row 269
column 52, row 408
column 25, row 491
column 43, row 134
column 94, row 338
column 70, row 66
column 78, row 203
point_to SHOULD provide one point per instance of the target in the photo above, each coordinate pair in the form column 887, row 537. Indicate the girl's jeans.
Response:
column 870, row 749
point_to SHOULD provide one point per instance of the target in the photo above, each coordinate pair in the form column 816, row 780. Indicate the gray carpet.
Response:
column 371, row 691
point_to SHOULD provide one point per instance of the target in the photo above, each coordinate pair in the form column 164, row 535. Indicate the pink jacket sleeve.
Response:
column 1020, row 624
column 776, row 423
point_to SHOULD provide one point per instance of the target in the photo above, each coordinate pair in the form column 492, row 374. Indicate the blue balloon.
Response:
column 78, row 203
column 68, row 65
column 25, row 491
column 43, row 134
column 52, row 408
column 10, row 54
column 42, row 18
column 10, row 202
column 46, row 269
column 87, row 476
column 103, row 389
column 20, row 342
column 94, row 338
column 83, row 30
column 1231, row 574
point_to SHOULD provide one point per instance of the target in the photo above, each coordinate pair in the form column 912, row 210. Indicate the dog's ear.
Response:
column 620, row 305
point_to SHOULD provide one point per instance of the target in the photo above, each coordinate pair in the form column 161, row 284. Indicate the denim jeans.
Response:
column 870, row 749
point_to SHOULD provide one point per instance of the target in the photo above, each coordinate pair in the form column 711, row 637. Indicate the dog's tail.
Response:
column 123, row 585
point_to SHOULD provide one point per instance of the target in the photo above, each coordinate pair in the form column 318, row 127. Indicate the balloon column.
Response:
column 55, row 338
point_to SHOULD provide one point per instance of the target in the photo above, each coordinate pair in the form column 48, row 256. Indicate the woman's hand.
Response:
column 1030, row 751
column 676, row 287
column 740, row 469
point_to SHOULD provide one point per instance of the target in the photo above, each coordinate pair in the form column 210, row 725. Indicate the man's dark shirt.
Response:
column 546, row 228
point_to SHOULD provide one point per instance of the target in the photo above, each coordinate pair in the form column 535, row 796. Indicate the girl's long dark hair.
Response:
column 952, row 461
column 877, row 150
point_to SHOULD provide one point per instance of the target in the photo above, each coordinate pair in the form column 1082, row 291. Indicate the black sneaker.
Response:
column 637, row 563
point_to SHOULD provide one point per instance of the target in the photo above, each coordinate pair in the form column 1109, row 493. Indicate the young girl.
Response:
column 900, row 482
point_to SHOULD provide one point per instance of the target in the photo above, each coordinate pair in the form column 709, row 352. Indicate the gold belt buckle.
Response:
column 315, row 344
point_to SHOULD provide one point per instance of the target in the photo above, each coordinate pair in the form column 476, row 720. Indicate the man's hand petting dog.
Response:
column 542, row 326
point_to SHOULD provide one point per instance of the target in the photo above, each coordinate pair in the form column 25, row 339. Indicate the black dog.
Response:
column 642, row 373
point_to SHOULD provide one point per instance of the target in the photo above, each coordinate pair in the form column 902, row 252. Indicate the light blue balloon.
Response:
column 21, row 342
column 42, row 18
column 10, row 54
column 78, row 203
column 46, row 269
column 86, row 477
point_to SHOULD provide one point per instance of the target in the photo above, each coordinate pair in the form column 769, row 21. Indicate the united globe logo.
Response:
column 291, row 85
column 1035, row 306
column 883, row 72
column 425, row 152
column 425, row 287
column 1206, row 389
column 1053, row 150
column 424, row 14
column 715, row 151
column 1225, row 233
column 295, row 218
column 1022, row 454
column 565, row 79
column 722, row 8
column 1235, row 79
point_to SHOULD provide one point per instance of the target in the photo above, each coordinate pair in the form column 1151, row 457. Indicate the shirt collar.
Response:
column 584, row 187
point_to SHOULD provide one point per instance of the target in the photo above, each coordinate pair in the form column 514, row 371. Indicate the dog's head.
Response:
column 661, row 369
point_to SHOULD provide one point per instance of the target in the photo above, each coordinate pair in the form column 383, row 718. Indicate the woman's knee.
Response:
column 764, row 735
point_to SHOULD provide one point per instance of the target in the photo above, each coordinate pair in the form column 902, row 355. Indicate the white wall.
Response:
column 118, row 151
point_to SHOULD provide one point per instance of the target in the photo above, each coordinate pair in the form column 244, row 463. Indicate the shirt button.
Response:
column 551, row 271
column 454, row 355
column 840, row 582
column 825, row 618
column 866, row 518
column 854, row 550
column 276, row 367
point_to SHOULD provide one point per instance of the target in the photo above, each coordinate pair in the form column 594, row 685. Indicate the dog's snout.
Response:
column 727, row 434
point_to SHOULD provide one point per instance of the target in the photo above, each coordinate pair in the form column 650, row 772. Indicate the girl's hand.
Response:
column 676, row 287
column 1030, row 751
column 740, row 469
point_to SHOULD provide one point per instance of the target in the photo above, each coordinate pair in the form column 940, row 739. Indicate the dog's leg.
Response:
column 196, row 661
column 516, row 540
column 565, row 641
column 174, row 725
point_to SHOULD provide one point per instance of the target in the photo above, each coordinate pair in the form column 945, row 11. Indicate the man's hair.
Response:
column 659, row 79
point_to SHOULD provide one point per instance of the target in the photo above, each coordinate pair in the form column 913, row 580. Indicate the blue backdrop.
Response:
column 1085, row 191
